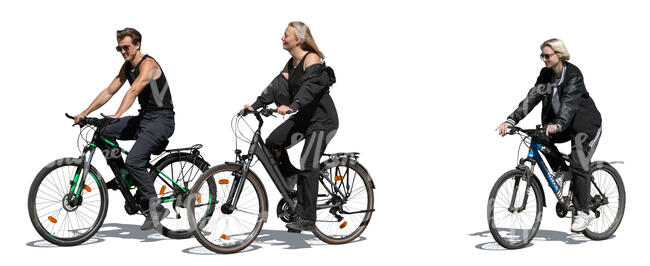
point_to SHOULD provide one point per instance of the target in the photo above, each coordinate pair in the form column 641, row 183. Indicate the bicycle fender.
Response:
column 372, row 183
column 597, row 163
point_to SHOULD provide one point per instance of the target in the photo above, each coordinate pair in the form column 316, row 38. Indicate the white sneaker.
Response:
column 581, row 221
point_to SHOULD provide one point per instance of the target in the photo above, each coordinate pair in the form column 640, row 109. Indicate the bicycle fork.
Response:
column 79, row 182
column 238, row 181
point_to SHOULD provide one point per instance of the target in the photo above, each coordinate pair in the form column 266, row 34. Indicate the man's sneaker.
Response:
column 301, row 224
column 112, row 184
column 154, row 217
column 581, row 221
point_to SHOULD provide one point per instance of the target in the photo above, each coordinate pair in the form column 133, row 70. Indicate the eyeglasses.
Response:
column 545, row 56
column 120, row 48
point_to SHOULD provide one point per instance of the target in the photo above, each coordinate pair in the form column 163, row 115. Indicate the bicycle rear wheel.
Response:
column 51, row 212
column 180, row 171
column 612, row 205
column 342, row 217
column 213, row 224
column 513, row 227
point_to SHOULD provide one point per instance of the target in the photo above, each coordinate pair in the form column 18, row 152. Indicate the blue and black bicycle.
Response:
column 68, row 199
column 514, row 213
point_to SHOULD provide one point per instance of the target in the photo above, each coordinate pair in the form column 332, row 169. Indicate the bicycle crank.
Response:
column 284, row 211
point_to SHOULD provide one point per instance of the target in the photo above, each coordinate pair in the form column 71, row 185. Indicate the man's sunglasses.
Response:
column 120, row 48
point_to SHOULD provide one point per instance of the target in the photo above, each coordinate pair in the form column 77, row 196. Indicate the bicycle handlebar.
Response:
column 93, row 121
column 538, row 133
column 264, row 111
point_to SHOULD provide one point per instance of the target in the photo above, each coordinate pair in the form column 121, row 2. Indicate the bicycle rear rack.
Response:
column 194, row 147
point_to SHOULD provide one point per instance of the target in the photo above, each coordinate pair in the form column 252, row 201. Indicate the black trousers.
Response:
column 583, row 146
column 150, row 130
column 285, row 136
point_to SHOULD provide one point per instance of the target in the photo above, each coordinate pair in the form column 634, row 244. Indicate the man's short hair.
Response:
column 136, row 37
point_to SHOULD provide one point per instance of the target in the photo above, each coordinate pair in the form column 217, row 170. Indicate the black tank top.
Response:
column 295, row 74
column 151, row 99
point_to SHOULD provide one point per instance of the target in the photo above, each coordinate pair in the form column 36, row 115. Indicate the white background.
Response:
column 420, row 88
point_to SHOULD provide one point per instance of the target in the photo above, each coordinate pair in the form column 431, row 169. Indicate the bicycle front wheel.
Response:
column 218, row 227
column 611, row 203
column 345, row 202
column 53, row 204
column 512, row 225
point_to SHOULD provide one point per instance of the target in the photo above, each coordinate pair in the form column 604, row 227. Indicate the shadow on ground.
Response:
column 130, row 231
column 112, row 230
column 274, row 238
column 542, row 235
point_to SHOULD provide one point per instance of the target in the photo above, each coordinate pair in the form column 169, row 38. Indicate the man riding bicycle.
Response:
column 570, row 114
column 150, row 129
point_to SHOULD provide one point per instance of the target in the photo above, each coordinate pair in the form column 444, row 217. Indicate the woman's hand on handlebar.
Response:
column 249, row 108
column 283, row 110
column 503, row 128
column 551, row 129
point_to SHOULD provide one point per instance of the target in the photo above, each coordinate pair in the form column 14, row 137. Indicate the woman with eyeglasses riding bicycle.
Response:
column 302, row 87
column 570, row 114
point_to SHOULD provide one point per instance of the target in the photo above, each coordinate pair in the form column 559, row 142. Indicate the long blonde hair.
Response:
column 307, row 42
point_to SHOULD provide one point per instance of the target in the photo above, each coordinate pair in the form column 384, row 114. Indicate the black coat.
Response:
column 578, row 112
column 311, row 99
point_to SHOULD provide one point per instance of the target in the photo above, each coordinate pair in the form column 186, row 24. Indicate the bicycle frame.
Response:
column 534, row 157
column 259, row 149
column 118, row 170
column 534, row 153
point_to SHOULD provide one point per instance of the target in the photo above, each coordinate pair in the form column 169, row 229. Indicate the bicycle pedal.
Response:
column 113, row 185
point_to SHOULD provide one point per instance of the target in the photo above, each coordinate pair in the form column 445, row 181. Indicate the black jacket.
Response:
column 311, row 100
column 577, row 113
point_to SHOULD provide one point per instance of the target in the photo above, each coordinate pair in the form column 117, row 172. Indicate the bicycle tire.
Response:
column 591, row 232
column 224, row 239
column 184, row 169
column 329, row 228
column 503, row 201
column 46, row 224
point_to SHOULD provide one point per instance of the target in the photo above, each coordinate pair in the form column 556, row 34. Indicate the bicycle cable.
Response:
column 523, row 141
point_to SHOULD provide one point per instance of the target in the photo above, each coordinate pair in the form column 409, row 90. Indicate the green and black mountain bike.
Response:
column 68, row 199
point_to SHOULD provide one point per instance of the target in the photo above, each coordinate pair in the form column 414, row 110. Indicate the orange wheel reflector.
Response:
column 345, row 223
column 223, row 182
column 51, row 219
column 338, row 178
column 87, row 188
column 198, row 198
column 162, row 189
column 225, row 237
